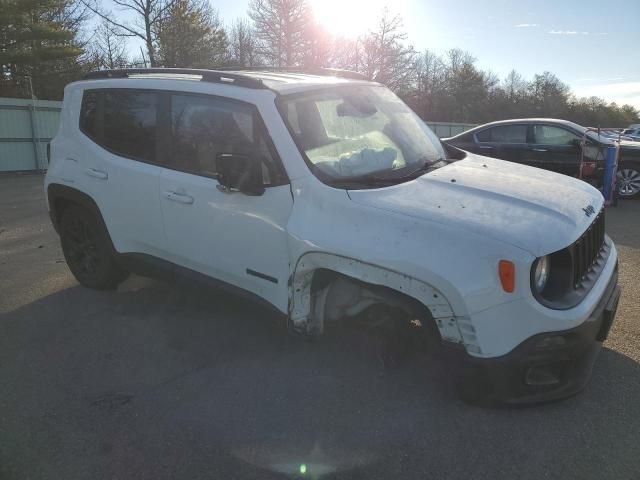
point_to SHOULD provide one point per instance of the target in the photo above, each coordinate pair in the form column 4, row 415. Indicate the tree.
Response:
column 430, row 86
column 243, row 44
column 346, row 53
column 191, row 35
column 385, row 58
column 467, row 88
column 549, row 95
column 515, row 87
column 318, row 45
column 147, row 16
column 281, row 27
column 108, row 50
column 39, row 46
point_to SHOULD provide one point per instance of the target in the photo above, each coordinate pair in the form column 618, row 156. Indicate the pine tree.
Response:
column 191, row 35
column 38, row 41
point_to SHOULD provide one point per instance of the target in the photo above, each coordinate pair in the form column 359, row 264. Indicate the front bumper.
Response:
column 547, row 366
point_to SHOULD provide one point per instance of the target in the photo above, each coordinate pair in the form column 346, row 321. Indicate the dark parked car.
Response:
column 553, row 145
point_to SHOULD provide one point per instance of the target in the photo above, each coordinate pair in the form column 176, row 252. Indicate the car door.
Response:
column 555, row 148
column 507, row 142
column 119, row 165
column 236, row 238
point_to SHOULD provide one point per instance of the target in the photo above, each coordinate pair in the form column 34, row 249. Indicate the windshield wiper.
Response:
column 426, row 167
column 372, row 180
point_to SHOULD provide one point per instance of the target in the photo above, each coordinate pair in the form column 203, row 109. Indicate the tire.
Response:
column 628, row 180
column 87, row 250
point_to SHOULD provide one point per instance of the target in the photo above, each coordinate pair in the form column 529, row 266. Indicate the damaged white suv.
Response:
column 324, row 196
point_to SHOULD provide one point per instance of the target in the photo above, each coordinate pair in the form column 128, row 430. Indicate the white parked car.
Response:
column 323, row 197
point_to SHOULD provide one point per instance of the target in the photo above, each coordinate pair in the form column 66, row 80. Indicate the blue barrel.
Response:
column 609, row 172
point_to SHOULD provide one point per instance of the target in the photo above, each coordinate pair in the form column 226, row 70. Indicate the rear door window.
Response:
column 90, row 121
column 124, row 121
column 504, row 134
column 130, row 118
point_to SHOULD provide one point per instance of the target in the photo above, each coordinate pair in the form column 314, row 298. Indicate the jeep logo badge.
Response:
column 589, row 210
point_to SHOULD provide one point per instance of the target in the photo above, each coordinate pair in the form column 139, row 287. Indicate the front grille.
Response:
column 586, row 250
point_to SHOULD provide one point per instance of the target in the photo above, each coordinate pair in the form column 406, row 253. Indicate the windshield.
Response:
column 360, row 133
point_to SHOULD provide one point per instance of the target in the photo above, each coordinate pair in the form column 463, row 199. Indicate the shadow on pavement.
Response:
column 158, row 381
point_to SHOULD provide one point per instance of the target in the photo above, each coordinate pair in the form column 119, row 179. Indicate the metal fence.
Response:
column 26, row 126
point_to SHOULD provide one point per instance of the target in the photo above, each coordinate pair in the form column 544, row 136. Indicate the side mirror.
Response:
column 239, row 173
column 577, row 142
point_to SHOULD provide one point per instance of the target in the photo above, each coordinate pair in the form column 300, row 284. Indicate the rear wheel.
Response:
column 628, row 181
column 87, row 250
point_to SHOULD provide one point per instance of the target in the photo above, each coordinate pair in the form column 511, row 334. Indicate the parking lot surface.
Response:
column 168, row 381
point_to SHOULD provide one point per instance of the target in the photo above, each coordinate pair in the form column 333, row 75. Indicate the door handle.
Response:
column 539, row 150
column 178, row 197
column 92, row 172
column 486, row 147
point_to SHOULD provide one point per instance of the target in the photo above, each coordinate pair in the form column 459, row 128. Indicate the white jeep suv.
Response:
column 326, row 196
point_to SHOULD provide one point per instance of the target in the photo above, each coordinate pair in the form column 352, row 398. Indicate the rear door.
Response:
column 230, row 236
column 555, row 148
column 507, row 142
column 117, row 159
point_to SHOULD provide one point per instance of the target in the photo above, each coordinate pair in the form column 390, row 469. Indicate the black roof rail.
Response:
column 341, row 73
column 333, row 72
column 214, row 76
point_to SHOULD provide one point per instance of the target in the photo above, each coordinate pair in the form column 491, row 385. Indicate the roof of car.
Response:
column 516, row 121
column 511, row 121
column 282, row 81
column 289, row 82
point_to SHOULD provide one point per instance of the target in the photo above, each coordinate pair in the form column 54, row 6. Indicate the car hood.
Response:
column 533, row 209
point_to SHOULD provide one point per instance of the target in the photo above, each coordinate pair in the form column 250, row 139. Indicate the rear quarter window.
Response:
column 466, row 138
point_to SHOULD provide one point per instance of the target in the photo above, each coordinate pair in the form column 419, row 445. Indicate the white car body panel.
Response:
column 225, row 234
column 444, row 237
column 118, row 185
column 464, row 195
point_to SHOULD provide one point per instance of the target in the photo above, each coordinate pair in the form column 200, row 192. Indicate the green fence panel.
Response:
column 26, row 126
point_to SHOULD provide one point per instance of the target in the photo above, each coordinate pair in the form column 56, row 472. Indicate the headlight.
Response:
column 541, row 273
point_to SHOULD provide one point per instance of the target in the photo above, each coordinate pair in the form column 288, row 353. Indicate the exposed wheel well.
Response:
column 327, row 287
column 323, row 277
column 336, row 298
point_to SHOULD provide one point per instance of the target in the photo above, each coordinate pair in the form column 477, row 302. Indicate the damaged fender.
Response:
column 309, row 310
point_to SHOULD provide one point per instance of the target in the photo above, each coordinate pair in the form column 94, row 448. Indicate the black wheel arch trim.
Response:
column 56, row 192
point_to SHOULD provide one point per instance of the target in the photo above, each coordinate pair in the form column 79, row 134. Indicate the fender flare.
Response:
column 300, row 296
column 56, row 192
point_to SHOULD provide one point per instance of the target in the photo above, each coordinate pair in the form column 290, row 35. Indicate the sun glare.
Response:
column 347, row 18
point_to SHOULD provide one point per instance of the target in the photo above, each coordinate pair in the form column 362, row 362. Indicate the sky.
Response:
column 591, row 45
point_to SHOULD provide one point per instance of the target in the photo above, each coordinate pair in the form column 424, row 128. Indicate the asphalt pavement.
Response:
column 159, row 381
